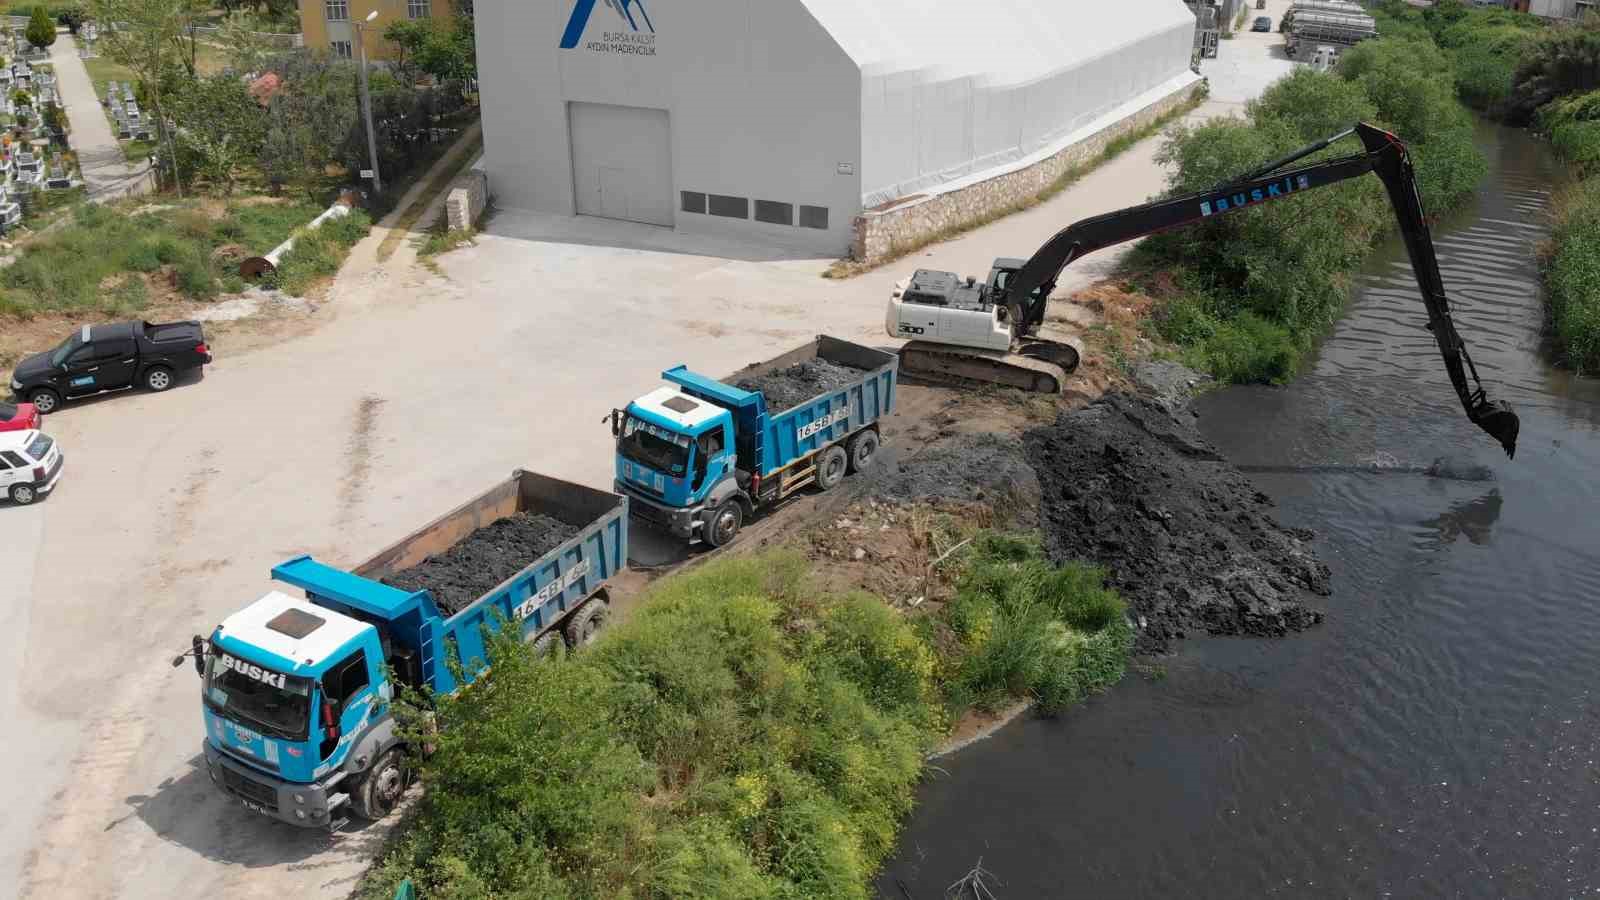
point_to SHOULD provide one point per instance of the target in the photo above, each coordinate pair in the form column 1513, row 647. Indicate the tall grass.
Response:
column 1572, row 274
column 82, row 267
column 318, row 253
column 746, row 734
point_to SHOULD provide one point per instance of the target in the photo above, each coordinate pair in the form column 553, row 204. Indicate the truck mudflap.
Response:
column 678, row 521
column 316, row 805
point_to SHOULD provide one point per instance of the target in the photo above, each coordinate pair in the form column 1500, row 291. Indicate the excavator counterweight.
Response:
column 969, row 329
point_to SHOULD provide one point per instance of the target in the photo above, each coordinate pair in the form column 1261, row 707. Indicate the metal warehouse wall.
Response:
column 761, row 104
column 953, row 87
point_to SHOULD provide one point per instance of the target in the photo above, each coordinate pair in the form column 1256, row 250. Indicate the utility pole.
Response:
column 366, row 104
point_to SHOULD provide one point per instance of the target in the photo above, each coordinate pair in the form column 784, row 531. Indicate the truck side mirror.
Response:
column 616, row 423
column 198, row 647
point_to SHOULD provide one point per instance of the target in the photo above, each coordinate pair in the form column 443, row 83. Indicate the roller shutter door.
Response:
column 622, row 162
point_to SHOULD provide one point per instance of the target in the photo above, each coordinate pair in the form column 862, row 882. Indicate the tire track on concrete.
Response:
column 68, row 859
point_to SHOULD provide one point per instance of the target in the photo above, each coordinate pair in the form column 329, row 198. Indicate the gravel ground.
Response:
column 485, row 558
column 792, row 386
column 1183, row 535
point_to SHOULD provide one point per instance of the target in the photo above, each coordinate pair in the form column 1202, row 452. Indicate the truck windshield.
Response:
column 654, row 446
column 274, row 703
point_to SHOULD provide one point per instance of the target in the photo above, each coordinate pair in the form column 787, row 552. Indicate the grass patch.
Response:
column 83, row 264
column 849, row 268
column 744, row 735
column 438, row 184
column 318, row 254
column 1572, row 275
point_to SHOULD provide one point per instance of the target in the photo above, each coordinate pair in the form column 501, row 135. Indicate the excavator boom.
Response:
column 1026, row 293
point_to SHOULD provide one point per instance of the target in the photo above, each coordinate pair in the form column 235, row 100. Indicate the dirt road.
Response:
column 416, row 392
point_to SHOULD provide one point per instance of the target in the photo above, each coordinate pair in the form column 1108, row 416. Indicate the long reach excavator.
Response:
column 989, row 331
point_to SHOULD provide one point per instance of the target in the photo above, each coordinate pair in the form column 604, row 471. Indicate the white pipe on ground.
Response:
column 257, row 266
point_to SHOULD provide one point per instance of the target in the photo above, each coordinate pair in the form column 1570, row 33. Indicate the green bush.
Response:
column 1578, row 143
column 743, row 735
column 1572, row 275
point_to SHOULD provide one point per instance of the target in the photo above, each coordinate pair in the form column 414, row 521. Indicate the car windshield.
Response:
column 271, row 702
column 59, row 355
column 40, row 445
column 651, row 445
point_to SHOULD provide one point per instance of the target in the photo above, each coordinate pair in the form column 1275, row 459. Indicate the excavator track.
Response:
column 1036, row 365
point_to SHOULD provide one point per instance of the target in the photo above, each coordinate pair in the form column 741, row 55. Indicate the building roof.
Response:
column 1008, row 42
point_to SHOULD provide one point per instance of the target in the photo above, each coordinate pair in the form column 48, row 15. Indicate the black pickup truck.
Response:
column 98, row 358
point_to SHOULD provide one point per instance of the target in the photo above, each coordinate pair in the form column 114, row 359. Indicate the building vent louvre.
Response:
column 774, row 212
column 814, row 217
column 694, row 201
column 732, row 207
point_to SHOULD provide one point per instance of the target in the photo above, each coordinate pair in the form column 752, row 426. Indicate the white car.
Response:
column 30, row 465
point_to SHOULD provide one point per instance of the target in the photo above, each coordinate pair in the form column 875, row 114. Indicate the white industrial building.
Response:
column 780, row 120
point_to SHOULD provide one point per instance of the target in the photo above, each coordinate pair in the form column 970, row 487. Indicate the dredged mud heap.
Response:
column 793, row 385
column 1185, row 538
column 485, row 558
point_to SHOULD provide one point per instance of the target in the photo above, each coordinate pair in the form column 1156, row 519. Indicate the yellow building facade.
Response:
column 329, row 26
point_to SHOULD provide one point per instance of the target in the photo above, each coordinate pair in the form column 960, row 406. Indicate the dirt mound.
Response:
column 485, row 558
column 1183, row 535
column 789, row 387
column 990, row 469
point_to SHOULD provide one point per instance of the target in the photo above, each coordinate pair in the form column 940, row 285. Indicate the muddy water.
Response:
column 1439, row 735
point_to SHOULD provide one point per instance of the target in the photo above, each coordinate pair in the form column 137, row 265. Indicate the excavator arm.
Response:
column 1027, row 291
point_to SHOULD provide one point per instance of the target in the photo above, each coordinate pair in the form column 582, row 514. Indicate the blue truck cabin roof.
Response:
column 364, row 594
column 677, row 411
column 288, row 635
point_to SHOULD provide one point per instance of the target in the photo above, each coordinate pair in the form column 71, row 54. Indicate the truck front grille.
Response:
column 242, row 785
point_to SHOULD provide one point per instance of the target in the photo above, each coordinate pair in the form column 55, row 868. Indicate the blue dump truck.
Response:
column 297, row 692
column 700, row 456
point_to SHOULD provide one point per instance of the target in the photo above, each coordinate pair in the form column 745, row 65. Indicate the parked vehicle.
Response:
column 99, row 358
column 296, row 692
column 700, row 457
column 19, row 417
column 1262, row 23
column 30, row 465
column 1312, row 29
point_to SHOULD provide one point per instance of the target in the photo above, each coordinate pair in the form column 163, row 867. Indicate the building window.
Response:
column 338, row 10
column 774, row 212
column 341, row 49
column 732, row 207
column 694, row 201
column 814, row 217
column 419, row 9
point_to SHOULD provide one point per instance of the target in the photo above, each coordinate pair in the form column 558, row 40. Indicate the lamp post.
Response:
column 366, row 105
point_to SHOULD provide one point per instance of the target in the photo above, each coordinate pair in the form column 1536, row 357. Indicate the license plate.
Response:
column 250, row 804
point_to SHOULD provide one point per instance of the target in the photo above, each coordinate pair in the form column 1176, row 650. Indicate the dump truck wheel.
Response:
column 723, row 523
column 545, row 644
column 382, row 786
column 831, row 468
column 863, row 447
column 584, row 625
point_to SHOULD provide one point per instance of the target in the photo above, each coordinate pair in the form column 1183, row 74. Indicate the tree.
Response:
column 222, row 127
column 71, row 18
column 309, row 120
column 240, row 35
column 41, row 31
column 147, row 40
column 445, row 49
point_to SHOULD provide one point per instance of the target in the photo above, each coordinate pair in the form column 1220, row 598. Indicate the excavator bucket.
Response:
column 1502, row 425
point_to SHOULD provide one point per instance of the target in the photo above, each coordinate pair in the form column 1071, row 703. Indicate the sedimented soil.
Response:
column 986, row 468
column 793, row 385
column 1186, row 538
column 485, row 558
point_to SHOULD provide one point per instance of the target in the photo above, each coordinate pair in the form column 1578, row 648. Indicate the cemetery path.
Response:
column 106, row 170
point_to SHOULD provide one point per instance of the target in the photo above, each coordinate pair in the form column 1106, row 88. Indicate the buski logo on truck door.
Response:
column 250, row 671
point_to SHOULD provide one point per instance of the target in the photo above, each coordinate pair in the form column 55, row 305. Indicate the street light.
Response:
column 366, row 105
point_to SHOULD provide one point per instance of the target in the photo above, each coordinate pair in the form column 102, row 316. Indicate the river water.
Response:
column 1439, row 735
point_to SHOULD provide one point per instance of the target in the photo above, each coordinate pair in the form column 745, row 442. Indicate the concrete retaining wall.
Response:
column 878, row 233
column 469, row 195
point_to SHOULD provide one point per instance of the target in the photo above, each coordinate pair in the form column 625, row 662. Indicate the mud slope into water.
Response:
column 1183, row 535
column 485, row 558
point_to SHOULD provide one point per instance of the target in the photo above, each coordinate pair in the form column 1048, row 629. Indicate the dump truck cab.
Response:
column 296, row 701
column 676, row 452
